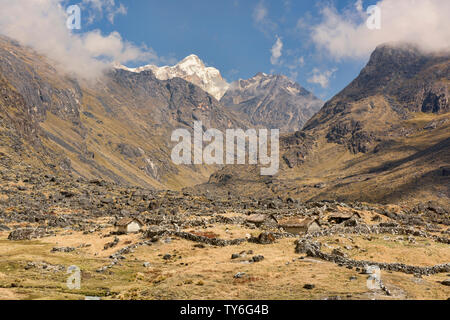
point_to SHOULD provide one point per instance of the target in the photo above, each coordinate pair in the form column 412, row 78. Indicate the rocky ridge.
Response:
column 272, row 101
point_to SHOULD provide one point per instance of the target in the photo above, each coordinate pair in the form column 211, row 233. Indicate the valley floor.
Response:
column 171, row 267
column 205, row 247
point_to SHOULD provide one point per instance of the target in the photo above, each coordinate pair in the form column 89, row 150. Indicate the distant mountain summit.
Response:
column 272, row 101
column 191, row 69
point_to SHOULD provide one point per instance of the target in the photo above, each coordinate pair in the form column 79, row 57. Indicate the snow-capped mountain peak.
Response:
column 272, row 101
column 191, row 69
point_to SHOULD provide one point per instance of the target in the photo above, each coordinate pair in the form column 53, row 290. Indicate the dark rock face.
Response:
column 220, row 179
column 272, row 101
column 445, row 171
column 296, row 147
column 352, row 135
column 129, row 151
column 39, row 93
column 435, row 103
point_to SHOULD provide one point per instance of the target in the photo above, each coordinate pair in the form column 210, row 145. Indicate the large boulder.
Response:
column 309, row 247
column 264, row 238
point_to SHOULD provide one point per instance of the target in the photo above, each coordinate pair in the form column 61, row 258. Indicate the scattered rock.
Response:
column 111, row 244
column 265, row 238
column 339, row 253
column 258, row 258
column 28, row 234
column 4, row 228
column 63, row 249
column 333, row 298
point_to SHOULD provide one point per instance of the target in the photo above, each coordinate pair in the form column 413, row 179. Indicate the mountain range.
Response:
column 191, row 69
column 385, row 137
column 272, row 101
column 117, row 128
column 268, row 101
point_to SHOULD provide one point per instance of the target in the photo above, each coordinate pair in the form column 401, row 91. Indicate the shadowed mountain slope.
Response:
column 117, row 128
column 385, row 137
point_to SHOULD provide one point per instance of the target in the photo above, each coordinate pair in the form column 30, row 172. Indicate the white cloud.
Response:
column 94, row 8
column 277, row 51
column 345, row 35
column 359, row 5
column 260, row 13
column 321, row 78
column 293, row 75
column 119, row 10
column 233, row 73
column 295, row 64
column 261, row 19
column 42, row 25
column 287, row 5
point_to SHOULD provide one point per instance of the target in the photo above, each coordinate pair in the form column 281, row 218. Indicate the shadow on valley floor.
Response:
column 432, row 182
column 429, row 181
column 442, row 147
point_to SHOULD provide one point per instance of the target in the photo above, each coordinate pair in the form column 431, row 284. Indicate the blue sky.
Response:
column 237, row 36
column 321, row 44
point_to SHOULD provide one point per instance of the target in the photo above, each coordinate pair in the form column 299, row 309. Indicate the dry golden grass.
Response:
column 227, row 232
column 208, row 273
column 392, row 249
